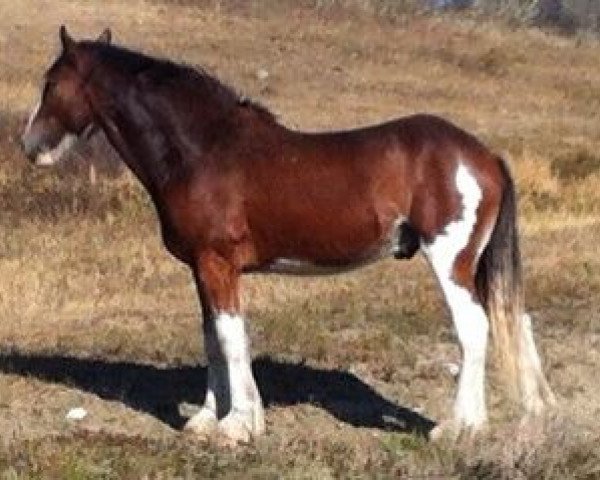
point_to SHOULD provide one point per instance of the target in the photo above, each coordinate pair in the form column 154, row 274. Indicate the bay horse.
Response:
column 237, row 192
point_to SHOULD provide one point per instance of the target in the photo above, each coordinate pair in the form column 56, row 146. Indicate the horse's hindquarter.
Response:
column 330, row 199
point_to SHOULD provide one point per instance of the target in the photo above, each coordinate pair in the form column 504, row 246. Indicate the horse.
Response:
column 237, row 192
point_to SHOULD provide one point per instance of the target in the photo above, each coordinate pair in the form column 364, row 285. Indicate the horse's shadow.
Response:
column 160, row 391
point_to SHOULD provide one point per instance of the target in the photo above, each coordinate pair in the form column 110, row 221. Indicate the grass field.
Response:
column 94, row 313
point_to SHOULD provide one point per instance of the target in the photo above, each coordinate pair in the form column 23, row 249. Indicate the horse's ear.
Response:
column 67, row 41
column 105, row 36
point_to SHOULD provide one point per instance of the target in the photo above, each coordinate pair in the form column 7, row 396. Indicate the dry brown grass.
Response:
column 95, row 313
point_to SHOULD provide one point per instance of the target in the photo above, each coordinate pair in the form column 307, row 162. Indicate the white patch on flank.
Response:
column 455, row 237
column 468, row 316
column 50, row 157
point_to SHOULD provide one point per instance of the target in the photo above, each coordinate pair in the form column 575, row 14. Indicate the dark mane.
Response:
column 163, row 71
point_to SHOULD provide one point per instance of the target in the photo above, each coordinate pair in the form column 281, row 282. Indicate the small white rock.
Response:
column 262, row 74
column 77, row 413
column 452, row 368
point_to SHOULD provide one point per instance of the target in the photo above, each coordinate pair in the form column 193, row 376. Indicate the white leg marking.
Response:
column 468, row 316
column 231, row 333
column 231, row 392
column 472, row 328
column 246, row 416
column 50, row 157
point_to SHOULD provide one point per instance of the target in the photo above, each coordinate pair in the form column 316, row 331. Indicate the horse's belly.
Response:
column 401, row 242
column 289, row 266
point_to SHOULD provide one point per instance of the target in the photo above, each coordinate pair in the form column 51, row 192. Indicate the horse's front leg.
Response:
column 232, row 404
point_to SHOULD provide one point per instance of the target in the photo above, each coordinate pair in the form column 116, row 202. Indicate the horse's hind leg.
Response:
column 471, row 324
column 453, row 255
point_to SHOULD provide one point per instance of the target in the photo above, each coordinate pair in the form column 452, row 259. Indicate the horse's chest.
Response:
column 178, row 224
column 174, row 241
column 196, row 218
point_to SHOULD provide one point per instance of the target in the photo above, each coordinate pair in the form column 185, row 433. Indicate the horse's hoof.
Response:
column 453, row 431
column 446, row 430
column 203, row 424
column 235, row 428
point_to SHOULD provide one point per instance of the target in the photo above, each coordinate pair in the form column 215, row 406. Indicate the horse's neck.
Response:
column 142, row 145
column 157, row 144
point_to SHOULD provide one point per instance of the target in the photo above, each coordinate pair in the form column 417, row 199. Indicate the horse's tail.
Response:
column 499, row 282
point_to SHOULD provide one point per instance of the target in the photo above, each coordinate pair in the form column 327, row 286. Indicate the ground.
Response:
column 95, row 314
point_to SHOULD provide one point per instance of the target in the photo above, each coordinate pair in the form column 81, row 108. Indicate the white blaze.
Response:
column 51, row 156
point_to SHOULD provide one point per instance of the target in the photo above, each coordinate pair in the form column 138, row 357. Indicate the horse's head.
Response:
column 63, row 112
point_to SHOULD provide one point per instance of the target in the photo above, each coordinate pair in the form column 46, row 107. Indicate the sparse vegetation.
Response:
column 576, row 167
column 95, row 314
